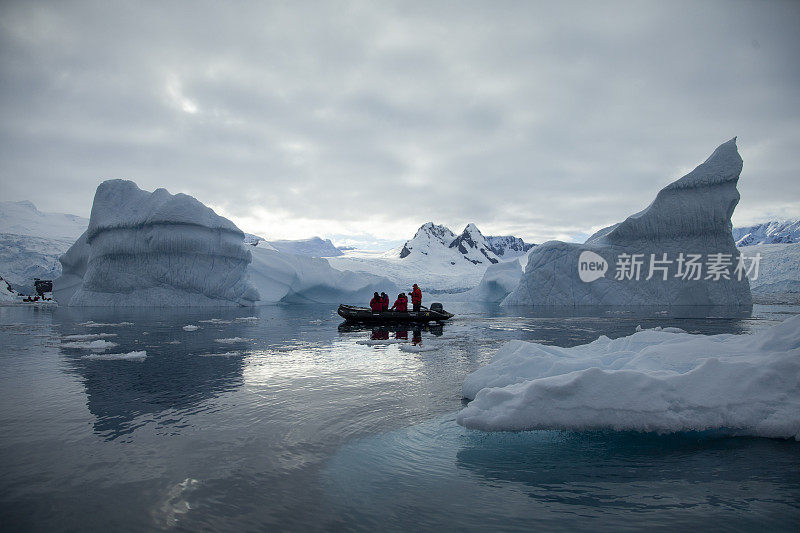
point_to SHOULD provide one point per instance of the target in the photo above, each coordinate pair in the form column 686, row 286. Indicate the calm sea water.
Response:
column 278, row 419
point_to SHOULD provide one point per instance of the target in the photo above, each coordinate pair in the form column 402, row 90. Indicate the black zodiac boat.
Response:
column 352, row 313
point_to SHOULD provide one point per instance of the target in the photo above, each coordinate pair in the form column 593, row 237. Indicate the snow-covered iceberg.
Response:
column 653, row 380
column 281, row 277
column 154, row 249
column 677, row 251
column 497, row 282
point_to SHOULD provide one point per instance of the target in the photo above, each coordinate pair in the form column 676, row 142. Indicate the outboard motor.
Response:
column 436, row 307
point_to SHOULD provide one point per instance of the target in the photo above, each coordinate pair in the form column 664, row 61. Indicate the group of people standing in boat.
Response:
column 380, row 302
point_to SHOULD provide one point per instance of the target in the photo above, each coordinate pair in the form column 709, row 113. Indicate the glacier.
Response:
column 689, row 219
column 660, row 380
column 154, row 249
column 31, row 242
column 778, row 280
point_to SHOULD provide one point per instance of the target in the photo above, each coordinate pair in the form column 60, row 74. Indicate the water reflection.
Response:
column 182, row 370
column 564, row 480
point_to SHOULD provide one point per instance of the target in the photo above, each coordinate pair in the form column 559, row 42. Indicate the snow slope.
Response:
column 773, row 232
column 22, row 218
column 778, row 280
column 653, row 380
column 31, row 242
column 155, row 249
column 690, row 216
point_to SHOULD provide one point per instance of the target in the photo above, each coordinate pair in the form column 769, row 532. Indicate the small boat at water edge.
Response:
column 352, row 313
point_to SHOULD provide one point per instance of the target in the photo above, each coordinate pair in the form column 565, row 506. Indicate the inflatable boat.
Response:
column 352, row 313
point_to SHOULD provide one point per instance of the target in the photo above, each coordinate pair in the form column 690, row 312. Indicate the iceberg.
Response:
column 654, row 380
column 281, row 277
column 154, row 249
column 497, row 282
column 677, row 251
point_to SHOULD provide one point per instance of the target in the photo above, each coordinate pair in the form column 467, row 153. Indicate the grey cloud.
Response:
column 531, row 118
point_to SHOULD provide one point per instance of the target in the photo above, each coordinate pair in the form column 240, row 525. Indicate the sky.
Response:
column 360, row 121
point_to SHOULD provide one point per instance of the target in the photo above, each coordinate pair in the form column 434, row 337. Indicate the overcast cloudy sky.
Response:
column 360, row 121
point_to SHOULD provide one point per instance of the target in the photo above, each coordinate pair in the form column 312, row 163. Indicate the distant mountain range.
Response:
column 439, row 242
column 773, row 232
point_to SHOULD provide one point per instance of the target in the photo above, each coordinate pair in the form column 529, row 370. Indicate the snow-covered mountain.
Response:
column 507, row 246
column 440, row 243
column 438, row 259
column 429, row 240
column 31, row 242
column 772, row 232
column 313, row 247
column 473, row 246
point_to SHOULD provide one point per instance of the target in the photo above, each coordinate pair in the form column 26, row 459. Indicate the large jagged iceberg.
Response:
column 154, row 249
column 662, row 380
column 682, row 242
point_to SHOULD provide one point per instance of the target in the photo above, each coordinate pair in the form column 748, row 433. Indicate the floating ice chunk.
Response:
column 226, row 354
column 190, row 327
column 91, row 324
column 660, row 328
column 247, row 319
column 381, row 342
column 648, row 381
column 130, row 356
column 174, row 342
column 89, row 345
column 418, row 348
column 88, row 336
column 232, row 340
column 214, row 321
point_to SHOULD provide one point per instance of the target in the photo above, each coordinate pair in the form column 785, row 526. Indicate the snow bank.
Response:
column 154, row 249
column 650, row 381
column 690, row 216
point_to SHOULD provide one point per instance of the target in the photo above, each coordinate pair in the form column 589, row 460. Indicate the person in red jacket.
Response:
column 376, row 304
column 416, row 297
column 401, row 304
column 384, row 301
